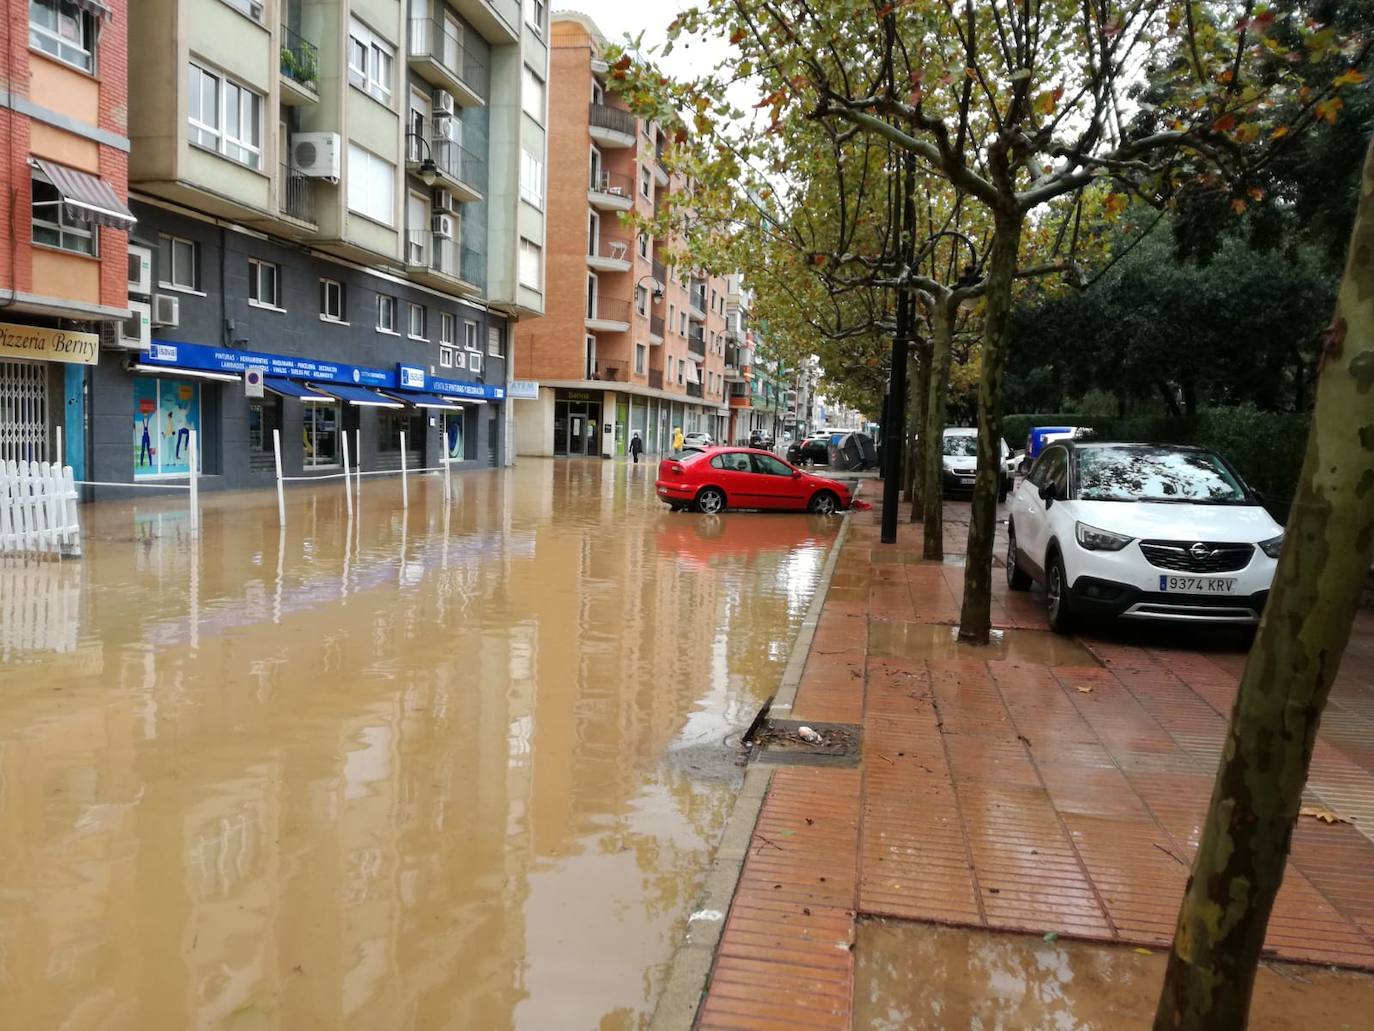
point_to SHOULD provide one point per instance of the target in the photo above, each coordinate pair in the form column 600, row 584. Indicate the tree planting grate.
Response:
column 777, row 743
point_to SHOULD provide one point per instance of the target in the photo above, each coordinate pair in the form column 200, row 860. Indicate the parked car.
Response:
column 721, row 478
column 959, row 451
column 810, row 451
column 698, row 440
column 761, row 439
column 1143, row 531
column 1039, row 436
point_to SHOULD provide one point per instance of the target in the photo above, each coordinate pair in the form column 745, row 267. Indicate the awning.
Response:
column 86, row 198
column 356, row 395
column 290, row 388
column 172, row 370
column 693, row 372
column 421, row 400
column 95, row 8
column 460, row 402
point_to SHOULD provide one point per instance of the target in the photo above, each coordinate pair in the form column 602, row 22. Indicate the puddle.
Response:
column 921, row 976
column 457, row 768
column 902, row 640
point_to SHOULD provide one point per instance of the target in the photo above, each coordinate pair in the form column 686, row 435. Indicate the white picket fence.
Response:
column 38, row 509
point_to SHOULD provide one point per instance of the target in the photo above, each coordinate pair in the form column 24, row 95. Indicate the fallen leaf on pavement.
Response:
column 1051, row 936
column 1145, row 952
column 1085, row 688
column 1324, row 814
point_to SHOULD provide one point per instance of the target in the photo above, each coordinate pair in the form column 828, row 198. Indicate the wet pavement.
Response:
column 911, row 977
column 462, row 767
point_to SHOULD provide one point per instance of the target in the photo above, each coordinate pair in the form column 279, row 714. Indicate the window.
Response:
column 640, row 352
column 641, row 300
column 534, row 15
column 224, row 117
column 531, row 262
column 494, row 341
column 532, row 96
column 646, row 182
column 332, row 300
column 447, row 329
column 371, row 185
column 644, row 245
column 52, row 225
column 178, row 263
column 321, row 434
column 386, row 313
column 445, row 357
column 370, row 61
column 264, row 283
column 531, row 179
column 682, row 323
column 64, row 30
column 165, row 412
column 770, row 466
column 264, row 416
column 682, row 371
column 475, row 361
column 470, row 336
column 250, row 8
column 415, row 322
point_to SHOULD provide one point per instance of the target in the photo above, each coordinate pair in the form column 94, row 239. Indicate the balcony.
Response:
column 660, row 172
column 498, row 21
column 656, row 379
column 296, row 195
column 661, row 273
column 693, row 389
column 612, row 126
column 608, row 315
column 655, row 329
column 460, row 170
column 733, row 373
column 472, row 265
column 610, row 254
column 615, row 371
column 435, row 261
column 300, row 68
column 696, row 343
column 696, row 309
column 611, row 191
column 438, row 56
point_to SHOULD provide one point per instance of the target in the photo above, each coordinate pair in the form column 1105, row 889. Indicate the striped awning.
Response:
column 85, row 197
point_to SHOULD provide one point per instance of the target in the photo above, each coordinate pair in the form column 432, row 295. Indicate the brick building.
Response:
column 627, row 344
column 64, row 266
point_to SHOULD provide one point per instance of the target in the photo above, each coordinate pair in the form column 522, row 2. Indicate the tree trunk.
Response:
column 937, row 401
column 1326, row 555
column 975, row 618
column 919, row 400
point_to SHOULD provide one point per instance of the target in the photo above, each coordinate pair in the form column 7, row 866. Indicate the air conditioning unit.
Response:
column 443, row 102
column 446, row 127
column 166, row 310
column 136, row 332
column 140, row 271
column 316, row 154
column 442, row 200
column 445, row 226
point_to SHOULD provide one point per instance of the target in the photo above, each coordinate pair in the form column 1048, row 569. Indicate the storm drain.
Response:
column 781, row 743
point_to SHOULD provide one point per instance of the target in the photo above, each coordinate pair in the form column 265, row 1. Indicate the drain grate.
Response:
column 776, row 742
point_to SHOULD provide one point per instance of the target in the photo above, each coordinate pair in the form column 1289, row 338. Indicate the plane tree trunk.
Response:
column 937, row 396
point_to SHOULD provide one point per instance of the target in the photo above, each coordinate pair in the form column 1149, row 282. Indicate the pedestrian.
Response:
column 677, row 440
column 636, row 446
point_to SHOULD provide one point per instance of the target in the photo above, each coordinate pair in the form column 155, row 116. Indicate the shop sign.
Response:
column 410, row 377
column 577, row 395
column 48, row 345
column 524, row 390
column 175, row 354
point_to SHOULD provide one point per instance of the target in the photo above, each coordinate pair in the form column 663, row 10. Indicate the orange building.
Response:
column 627, row 345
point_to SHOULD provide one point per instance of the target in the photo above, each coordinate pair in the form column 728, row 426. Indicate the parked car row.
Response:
column 718, row 478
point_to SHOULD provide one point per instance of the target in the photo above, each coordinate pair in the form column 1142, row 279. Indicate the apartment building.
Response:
column 345, row 196
column 64, row 268
column 628, row 344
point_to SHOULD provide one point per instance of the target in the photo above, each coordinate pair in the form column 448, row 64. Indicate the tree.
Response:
column 1328, row 547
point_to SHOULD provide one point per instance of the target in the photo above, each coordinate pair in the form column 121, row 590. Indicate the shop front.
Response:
column 577, row 423
column 42, row 390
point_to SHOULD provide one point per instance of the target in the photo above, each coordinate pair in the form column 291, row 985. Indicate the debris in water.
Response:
column 809, row 736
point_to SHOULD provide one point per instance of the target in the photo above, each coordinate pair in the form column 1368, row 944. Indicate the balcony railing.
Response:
column 458, row 163
column 661, row 273
column 300, row 59
column 731, row 356
column 696, row 343
column 612, row 370
column 656, row 326
column 609, row 309
column 433, row 39
column 656, row 379
column 439, row 253
column 693, row 389
column 296, row 195
column 608, row 245
column 698, row 298
column 613, row 118
column 472, row 264
column 613, row 184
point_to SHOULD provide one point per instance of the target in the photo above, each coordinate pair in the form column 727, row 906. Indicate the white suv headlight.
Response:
column 1090, row 538
column 1272, row 546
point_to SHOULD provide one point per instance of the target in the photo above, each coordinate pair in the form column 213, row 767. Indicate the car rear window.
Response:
column 1156, row 474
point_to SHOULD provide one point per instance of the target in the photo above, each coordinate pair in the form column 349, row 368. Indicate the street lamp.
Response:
column 658, row 287
column 429, row 171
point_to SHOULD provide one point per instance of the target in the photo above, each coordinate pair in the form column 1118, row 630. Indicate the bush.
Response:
column 1267, row 447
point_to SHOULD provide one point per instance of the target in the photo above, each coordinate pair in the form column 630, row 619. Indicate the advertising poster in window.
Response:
column 165, row 413
column 453, row 435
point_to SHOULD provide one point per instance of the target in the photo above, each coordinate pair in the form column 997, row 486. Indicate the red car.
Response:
column 721, row 477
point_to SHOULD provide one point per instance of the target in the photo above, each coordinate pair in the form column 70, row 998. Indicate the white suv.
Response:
column 1147, row 531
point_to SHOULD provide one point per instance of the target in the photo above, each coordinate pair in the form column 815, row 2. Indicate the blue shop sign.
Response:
column 177, row 355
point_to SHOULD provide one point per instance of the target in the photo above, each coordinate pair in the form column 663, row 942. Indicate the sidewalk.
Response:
column 1039, row 785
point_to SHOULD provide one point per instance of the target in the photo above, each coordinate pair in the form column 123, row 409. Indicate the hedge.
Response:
column 1267, row 447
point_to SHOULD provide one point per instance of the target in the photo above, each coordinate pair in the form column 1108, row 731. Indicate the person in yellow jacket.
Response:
column 677, row 440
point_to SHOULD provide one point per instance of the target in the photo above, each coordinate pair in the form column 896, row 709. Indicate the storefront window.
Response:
column 263, row 417
column 321, row 435
column 454, row 437
column 165, row 413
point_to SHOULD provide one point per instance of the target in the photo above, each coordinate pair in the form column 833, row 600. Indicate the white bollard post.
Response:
column 358, row 459
column 193, row 461
column 348, row 478
column 405, row 489
column 61, row 458
column 281, row 495
column 448, row 464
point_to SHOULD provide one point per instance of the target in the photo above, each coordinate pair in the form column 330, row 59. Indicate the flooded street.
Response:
column 463, row 768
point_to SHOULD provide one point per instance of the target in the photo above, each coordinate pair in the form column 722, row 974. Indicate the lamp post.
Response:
column 429, row 171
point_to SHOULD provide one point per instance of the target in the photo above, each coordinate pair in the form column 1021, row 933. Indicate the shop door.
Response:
column 577, row 431
column 622, row 421
column 561, row 427
column 23, row 412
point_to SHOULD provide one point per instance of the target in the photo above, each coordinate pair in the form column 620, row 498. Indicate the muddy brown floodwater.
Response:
column 458, row 770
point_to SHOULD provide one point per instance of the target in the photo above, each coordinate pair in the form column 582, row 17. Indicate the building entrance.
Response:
column 576, row 427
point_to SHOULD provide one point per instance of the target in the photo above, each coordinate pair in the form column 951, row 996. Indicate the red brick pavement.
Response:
column 1019, row 795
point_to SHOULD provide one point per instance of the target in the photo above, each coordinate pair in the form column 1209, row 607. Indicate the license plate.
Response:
column 1197, row 585
column 967, row 481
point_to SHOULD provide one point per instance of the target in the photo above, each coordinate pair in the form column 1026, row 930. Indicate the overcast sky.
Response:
column 617, row 18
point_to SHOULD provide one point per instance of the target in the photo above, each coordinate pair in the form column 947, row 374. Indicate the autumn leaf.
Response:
column 1325, row 815
column 1085, row 688
column 1044, row 104
column 1256, row 194
column 1225, row 123
column 737, row 37
column 1350, row 78
column 1238, row 206
column 1279, row 133
column 1247, row 132
column 1327, row 109
column 1115, row 204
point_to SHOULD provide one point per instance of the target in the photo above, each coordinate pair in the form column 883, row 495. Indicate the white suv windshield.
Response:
column 1156, row 474
column 961, row 444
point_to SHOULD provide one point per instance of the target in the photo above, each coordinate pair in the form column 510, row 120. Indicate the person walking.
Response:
column 677, row 440
column 636, row 446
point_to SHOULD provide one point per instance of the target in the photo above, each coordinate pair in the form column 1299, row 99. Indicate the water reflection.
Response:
column 404, row 769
